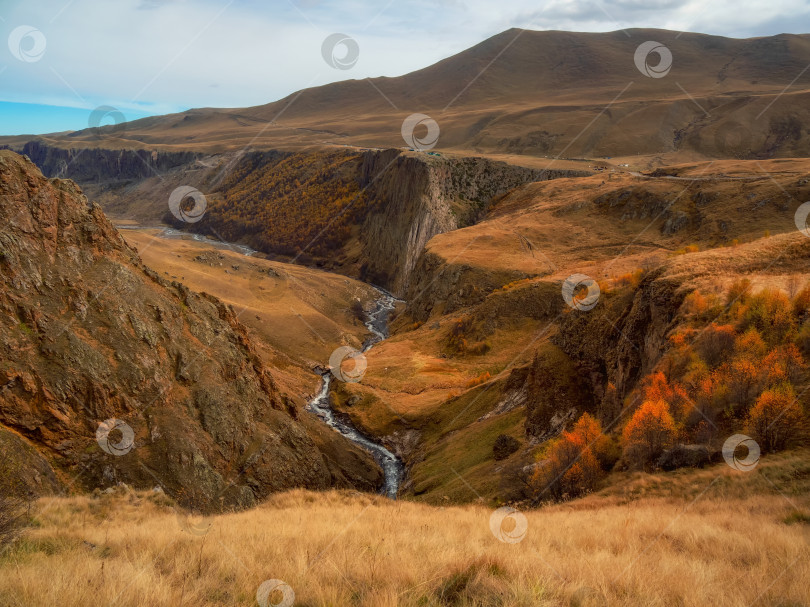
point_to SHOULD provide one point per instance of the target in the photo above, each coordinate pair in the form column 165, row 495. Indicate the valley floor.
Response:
column 711, row 537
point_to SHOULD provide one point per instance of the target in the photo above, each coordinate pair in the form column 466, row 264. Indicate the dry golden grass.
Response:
column 300, row 323
column 341, row 548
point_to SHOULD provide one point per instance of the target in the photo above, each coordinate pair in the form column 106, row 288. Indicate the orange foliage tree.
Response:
column 650, row 431
column 659, row 388
column 775, row 419
column 573, row 466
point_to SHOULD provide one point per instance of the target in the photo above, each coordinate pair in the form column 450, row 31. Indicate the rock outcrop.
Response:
column 420, row 196
column 110, row 374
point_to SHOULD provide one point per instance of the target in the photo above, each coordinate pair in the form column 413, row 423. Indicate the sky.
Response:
column 135, row 58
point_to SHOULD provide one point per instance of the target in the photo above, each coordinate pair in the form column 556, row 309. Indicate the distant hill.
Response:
column 532, row 93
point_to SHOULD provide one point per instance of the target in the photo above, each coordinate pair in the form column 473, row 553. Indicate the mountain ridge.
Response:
column 547, row 83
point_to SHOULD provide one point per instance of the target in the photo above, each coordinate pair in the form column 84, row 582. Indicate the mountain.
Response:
column 111, row 374
column 535, row 93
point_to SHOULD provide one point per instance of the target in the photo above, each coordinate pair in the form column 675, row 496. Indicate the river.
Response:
column 392, row 467
column 377, row 324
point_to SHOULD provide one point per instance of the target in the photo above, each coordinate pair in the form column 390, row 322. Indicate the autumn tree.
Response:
column 801, row 303
column 650, row 431
column 574, row 463
column 783, row 364
column 771, row 312
column 716, row 343
column 775, row 419
column 659, row 388
column 744, row 382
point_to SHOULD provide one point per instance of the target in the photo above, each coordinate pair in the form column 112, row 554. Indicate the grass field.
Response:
column 299, row 316
column 711, row 537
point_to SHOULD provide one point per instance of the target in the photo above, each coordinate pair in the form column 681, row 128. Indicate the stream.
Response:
column 377, row 324
column 392, row 467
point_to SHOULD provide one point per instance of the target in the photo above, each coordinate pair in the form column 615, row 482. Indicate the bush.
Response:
column 716, row 343
column 477, row 381
column 505, row 446
column 739, row 291
column 658, row 388
column 801, row 303
column 771, row 312
column 783, row 364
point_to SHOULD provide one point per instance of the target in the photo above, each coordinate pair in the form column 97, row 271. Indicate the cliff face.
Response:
column 92, row 335
column 406, row 198
column 420, row 196
column 95, row 165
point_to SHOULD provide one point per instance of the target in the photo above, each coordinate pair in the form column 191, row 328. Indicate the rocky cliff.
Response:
column 110, row 374
column 395, row 201
column 95, row 165
column 419, row 196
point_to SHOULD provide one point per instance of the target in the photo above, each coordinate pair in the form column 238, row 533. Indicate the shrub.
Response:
column 716, row 343
column 775, row 419
column 504, row 446
column 801, row 303
column 744, row 382
column 750, row 344
column 658, row 388
column 650, row 431
column 711, row 395
column 802, row 339
column 477, row 381
column 630, row 279
column 738, row 291
column 783, row 364
column 695, row 303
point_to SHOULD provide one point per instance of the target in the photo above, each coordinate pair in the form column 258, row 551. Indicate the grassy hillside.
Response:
column 530, row 93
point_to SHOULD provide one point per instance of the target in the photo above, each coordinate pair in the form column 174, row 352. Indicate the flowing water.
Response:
column 377, row 323
column 390, row 463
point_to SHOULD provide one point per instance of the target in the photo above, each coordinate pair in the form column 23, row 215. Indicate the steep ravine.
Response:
column 411, row 196
column 94, row 339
